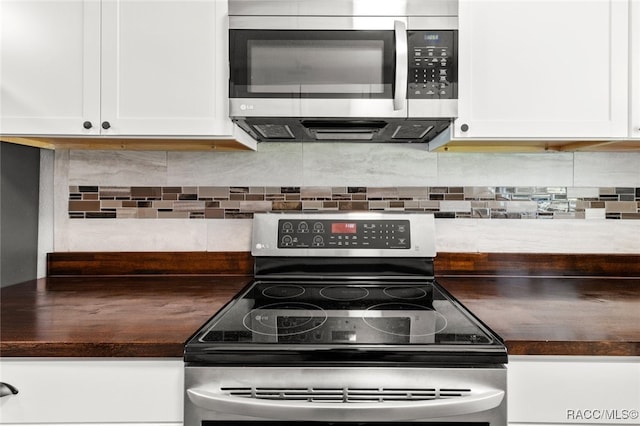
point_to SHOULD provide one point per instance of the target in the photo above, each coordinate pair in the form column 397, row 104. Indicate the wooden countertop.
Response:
column 109, row 316
column 556, row 315
column 147, row 316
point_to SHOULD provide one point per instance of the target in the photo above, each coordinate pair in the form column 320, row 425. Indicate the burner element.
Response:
column 344, row 293
column 283, row 291
column 284, row 319
column 431, row 321
column 406, row 293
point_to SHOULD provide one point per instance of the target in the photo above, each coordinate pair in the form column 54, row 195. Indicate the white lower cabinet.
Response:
column 554, row 390
column 92, row 391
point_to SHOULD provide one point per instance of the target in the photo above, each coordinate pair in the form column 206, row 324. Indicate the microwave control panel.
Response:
column 432, row 64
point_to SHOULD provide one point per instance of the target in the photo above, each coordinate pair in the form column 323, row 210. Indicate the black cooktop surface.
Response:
column 344, row 321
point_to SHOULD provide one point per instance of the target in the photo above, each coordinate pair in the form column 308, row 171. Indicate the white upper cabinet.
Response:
column 634, row 117
column 114, row 67
column 50, row 67
column 159, row 66
column 543, row 69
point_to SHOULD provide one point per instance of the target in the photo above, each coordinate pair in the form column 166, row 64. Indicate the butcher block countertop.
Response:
column 104, row 306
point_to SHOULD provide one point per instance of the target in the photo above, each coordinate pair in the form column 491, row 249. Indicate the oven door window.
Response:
column 311, row 64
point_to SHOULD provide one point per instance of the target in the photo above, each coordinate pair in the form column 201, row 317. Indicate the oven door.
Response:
column 318, row 67
column 247, row 396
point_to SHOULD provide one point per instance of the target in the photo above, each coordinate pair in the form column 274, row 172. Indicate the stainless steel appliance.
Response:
column 343, row 70
column 344, row 324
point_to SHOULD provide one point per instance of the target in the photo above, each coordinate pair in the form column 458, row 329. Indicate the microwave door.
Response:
column 319, row 73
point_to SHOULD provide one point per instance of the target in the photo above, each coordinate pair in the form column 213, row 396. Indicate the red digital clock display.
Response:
column 343, row 228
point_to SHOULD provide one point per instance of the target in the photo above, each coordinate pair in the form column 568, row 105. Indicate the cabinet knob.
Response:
column 87, row 125
column 106, row 125
column 6, row 389
column 464, row 127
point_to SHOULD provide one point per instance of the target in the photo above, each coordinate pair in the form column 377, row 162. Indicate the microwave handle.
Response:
column 402, row 65
column 337, row 411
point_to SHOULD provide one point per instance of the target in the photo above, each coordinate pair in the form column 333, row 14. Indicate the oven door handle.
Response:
column 361, row 411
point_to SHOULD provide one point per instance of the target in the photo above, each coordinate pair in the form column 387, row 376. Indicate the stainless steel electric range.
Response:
column 344, row 324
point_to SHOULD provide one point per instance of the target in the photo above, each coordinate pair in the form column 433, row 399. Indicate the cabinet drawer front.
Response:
column 573, row 390
column 92, row 391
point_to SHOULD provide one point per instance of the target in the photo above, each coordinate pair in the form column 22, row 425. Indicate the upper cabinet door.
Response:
column 50, row 68
column 543, row 69
column 634, row 117
column 160, row 65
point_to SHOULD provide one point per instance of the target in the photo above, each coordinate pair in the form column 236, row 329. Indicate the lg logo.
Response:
column 245, row 107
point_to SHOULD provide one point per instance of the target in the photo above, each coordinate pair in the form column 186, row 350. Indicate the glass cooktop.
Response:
column 311, row 303
column 361, row 320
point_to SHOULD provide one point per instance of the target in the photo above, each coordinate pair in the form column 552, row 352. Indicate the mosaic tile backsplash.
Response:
column 241, row 202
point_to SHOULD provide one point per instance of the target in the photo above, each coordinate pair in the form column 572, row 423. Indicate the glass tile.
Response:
column 288, row 190
column 87, row 189
column 357, row 190
column 625, row 191
column 238, row 189
column 171, row 189
column 212, row 213
column 480, row 193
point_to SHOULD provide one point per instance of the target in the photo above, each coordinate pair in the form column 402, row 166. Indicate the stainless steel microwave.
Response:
column 343, row 69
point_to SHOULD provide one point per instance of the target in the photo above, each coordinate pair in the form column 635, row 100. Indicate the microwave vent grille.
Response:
column 274, row 131
column 411, row 131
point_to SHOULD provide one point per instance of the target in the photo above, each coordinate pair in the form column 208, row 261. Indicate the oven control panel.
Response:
column 338, row 234
column 432, row 64
column 343, row 234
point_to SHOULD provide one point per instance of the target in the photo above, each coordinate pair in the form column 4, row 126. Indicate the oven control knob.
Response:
column 318, row 241
column 287, row 240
